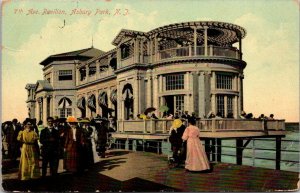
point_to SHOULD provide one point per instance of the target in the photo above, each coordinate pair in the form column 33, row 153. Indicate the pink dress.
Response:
column 196, row 159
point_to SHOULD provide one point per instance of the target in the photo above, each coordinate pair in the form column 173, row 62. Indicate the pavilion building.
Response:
column 191, row 66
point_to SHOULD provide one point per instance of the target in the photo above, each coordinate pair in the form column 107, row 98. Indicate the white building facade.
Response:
column 192, row 66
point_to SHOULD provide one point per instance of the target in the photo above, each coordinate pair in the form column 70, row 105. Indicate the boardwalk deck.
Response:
column 140, row 171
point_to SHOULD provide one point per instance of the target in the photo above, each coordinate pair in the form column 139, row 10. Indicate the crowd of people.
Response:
column 78, row 142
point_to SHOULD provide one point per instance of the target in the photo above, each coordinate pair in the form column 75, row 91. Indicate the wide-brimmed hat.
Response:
column 71, row 119
column 177, row 123
column 85, row 120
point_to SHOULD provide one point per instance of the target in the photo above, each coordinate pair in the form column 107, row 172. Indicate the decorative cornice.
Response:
column 132, row 66
column 96, row 81
column 210, row 59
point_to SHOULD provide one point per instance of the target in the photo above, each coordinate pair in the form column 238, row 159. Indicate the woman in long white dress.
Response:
column 196, row 159
column 94, row 139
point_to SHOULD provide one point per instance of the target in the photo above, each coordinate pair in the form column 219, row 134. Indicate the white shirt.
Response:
column 74, row 133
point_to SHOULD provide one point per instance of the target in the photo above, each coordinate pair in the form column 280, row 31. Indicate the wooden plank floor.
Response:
column 139, row 171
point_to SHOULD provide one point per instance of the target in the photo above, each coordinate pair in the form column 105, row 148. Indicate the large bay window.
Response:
column 174, row 81
column 220, row 105
column 225, row 105
column 224, row 81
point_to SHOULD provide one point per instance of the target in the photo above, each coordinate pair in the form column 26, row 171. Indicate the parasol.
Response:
column 149, row 110
column 163, row 108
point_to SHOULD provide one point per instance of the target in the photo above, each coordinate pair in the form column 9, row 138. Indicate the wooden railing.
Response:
column 205, row 125
column 229, row 52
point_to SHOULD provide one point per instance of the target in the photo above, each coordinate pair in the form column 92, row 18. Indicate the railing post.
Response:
column 213, row 125
column 152, row 126
column 164, row 126
column 278, row 152
column 253, row 152
column 145, row 127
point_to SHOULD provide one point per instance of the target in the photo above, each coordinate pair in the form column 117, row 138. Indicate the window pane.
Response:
column 220, row 104
column 65, row 75
column 175, row 82
column 224, row 81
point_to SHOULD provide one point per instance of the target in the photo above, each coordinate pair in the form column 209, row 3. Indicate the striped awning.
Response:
column 92, row 102
column 102, row 99
column 113, row 96
column 127, row 92
column 81, row 103
column 64, row 102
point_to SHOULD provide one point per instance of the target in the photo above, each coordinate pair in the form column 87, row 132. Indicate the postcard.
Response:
column 150, row 96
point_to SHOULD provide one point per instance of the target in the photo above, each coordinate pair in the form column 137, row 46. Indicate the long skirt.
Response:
column 72, row 158
column 95, row 153
column 29, row 162
column 196, row 159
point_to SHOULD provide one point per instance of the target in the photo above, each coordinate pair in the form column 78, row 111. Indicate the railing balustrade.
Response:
column 206, row 125
column 230, row 52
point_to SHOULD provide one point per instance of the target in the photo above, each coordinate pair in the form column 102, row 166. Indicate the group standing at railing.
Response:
column 78, row 143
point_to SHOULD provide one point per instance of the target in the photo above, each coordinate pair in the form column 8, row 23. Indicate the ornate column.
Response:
column 240, row 47
column 242, row 92
column 190, row 49
column 191, row 107
column 87, row 69
column 205, row 40
column 44, row 109
column 155, row 92
column 142, row 51
column 136, row 50
column 195, row 41
column 236, row 111
column 151, row 51
column 149, row 92
column 136, row 96
column 97, row 69
column 119, row 65
column 201, row 94
column 97, row 103
column 160, row 79
column 120, row 101
column 77, row 76
column 156, row 48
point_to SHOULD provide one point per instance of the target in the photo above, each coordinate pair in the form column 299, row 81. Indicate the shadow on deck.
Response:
column 147, row 172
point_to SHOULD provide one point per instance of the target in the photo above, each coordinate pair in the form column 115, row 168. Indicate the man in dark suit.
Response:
column 49, row 139
column 12, row 132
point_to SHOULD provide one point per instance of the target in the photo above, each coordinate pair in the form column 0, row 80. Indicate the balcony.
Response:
column 219, row 128
column 96, row 76
column 212, row 51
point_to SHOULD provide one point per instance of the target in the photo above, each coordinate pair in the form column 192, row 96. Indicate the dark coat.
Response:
column 175, row 137
column 50, row 142
column 73, row 153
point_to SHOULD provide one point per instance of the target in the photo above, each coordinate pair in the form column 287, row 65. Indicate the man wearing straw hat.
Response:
column 176, row 132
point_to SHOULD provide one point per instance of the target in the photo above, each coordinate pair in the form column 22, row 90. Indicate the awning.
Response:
column 81, row 103
column 64, row 102
column 102, row 99
column 92, row 102
column 113, row 96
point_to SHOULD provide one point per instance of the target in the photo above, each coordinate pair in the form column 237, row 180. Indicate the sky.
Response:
column 270, row 48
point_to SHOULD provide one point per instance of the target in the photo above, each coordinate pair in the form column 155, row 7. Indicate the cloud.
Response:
column 271, row 76
column 23, row 65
